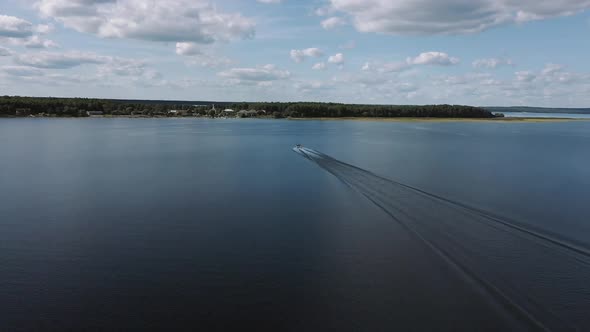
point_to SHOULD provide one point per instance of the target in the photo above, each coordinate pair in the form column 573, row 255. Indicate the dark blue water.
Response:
column 218, row 225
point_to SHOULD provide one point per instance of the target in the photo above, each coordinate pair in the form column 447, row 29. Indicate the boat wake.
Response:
column 541, row 278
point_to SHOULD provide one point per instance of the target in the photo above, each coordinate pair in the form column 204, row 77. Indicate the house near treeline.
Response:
column 22, row 112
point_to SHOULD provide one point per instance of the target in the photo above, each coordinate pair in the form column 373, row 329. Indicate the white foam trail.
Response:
column 542, row 278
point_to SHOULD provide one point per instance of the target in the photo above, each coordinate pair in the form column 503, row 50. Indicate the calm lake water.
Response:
column 193, row 224
column 546, row 115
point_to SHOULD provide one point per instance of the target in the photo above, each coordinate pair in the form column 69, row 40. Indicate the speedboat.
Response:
column 298, row 146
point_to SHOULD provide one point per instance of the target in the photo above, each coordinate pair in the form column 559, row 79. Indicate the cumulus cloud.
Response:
column 16, row 31
column 300, row 55
column 187, row 49
column 492, row 63
column 197, row 57
column 450, row 16
column 433, row 58
column 337, row 59
column 423, row 59
column 33, row 41
column 14, row 27
column 269, row 1
column 319, row 66
column 167, row 21
column 126, row 67
column 258, row 74
column 550, row 74
column 333, row 22
column 38, row 42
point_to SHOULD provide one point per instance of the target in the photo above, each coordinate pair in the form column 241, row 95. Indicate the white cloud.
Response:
column 525, row 76
column 167, row 21
column 21, row 71
column 300, row 55
column 469, row 79
column 197, row 57
column 364, row 79
column 551, row 68
column 38, row 42
column 34, row 41
column 426, row 58
column 44, row 29
column 550, row 74
column 433, row 58
column 107, row 65
column 324, row 11
column 258, row 74
column 269, row 1
column 209, row 61
column 319, row 66
column 125, row 67
column 16, row 31
column 310, row 86
column 492, row 63
column 337, row 59
column 14, row 27
column 187, row 49
column 450, row 16
column 5, row 52
column 333, row 22
column 59, row 60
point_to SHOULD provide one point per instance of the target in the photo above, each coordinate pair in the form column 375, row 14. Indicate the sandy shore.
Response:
column 518, row 120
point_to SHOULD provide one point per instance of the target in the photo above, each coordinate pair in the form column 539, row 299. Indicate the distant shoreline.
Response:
column 367, row 119
column 498, row 119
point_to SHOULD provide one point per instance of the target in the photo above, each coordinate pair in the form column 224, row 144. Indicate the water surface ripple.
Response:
column 537, row 276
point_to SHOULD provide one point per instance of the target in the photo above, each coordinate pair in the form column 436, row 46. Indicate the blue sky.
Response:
column 478, row 52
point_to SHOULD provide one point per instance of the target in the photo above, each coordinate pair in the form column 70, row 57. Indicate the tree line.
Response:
column 14, row 106
column 334, row 110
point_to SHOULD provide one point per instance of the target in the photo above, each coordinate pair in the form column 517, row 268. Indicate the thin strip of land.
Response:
column 15, row 106
column 411, row 119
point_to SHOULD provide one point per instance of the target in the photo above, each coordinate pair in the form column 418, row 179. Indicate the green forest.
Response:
column 14, row 106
